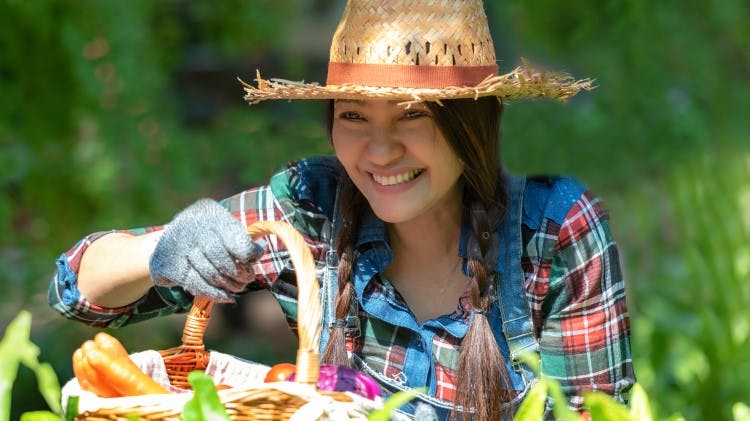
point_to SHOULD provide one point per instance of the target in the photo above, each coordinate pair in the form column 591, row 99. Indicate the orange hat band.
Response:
column 407, row 76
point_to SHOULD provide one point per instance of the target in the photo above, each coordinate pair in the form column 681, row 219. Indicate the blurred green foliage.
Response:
column 117, row 114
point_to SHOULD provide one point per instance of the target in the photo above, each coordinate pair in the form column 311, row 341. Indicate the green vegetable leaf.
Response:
column 15, row 338
column 71, row 409
column 741, row 412
column 532, row 360
column 393, row 402
column 49, row 386
column 205, row 404
column 559, row 401
column 40, row 416
column 16, row 348
column 640, row 407
column 532, row 407
column 603, row 407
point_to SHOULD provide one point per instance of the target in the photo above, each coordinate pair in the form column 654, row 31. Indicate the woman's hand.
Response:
column 206, row 251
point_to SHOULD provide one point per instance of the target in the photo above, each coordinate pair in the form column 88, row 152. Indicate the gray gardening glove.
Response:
column 206, row 251
column 425, row 412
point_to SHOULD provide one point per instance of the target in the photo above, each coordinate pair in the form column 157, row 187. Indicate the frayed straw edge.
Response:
column 522, row 83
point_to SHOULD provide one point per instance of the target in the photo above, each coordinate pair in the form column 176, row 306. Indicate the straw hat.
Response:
column 417, row 50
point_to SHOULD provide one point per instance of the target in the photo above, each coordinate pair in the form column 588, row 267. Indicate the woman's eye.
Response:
column 414, row 114
column 351, row 115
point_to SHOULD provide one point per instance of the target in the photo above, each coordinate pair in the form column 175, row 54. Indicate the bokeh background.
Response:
column 118, row 114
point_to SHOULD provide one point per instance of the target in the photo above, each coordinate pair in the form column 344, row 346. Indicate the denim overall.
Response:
column 509, row 315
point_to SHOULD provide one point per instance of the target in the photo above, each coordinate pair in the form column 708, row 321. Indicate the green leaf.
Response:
column 40, row 416
column 640, row 407
column 532, row 360
column 49, row 386
column 532, row 407
column 603, row 407
column 741, row 412
column 71, row 409
column 205, row 404
column 16, row 348
column 393, row 402
column 559, row 401
column 15, row 338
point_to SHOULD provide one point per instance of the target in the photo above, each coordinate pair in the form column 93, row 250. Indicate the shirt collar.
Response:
column 374, row 232
column 371, row 229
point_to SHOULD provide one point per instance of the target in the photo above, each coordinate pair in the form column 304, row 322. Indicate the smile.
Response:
column 396, row 179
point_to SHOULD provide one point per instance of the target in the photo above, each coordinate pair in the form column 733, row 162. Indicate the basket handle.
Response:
column 308, row 301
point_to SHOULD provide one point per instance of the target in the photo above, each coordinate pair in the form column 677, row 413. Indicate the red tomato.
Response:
column 280, row 372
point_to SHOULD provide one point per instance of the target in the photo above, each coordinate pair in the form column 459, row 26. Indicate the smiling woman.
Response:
column 398, row 159
column 437, row 266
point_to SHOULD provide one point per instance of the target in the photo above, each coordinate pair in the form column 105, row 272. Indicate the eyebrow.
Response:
column 349, row 101
column 361, row 102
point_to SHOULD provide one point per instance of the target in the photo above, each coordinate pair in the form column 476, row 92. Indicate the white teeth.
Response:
column 395, row 179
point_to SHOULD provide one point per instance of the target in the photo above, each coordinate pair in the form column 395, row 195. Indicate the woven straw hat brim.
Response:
column 417, row 50
column 522, row 83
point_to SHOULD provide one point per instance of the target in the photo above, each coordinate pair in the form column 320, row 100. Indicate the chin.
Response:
column 393, row 215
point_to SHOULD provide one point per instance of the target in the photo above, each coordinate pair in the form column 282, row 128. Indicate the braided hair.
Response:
column 472, row 129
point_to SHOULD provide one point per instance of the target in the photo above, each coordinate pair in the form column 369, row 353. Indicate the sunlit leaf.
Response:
column 12, row 348
column 49, row 386
column 71, row 409
column 741, row 412
column 532, row 407
column 205, row 404
column 559, row 402
column 640, row 406
column 603, row 407
column 394, row 402
column 40, row 416
column 532, row 360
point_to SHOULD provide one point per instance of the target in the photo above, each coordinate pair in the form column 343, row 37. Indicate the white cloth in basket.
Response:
column 227, row 370
column 222, row 368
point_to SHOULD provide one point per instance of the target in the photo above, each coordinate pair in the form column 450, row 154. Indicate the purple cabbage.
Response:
column 339, row 378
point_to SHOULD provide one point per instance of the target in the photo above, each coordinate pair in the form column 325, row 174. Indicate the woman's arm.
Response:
column 114, row 269
column 113, row 288
column 576, row 290
column 105, row 280
column 585, row 337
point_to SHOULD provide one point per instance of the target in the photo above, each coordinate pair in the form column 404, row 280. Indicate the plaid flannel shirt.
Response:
column 573, row 285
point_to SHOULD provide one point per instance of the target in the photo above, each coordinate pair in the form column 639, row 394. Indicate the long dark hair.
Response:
column 472, row 129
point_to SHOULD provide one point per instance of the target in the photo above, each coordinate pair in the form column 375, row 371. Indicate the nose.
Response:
column 384, row 147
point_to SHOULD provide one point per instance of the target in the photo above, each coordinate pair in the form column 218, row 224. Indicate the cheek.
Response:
column 346, row 150
column 339, row 143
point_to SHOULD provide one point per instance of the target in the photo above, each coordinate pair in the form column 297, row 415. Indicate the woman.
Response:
column 437, row 268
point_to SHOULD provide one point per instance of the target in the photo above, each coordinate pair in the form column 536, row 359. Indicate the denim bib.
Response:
column 509, row 315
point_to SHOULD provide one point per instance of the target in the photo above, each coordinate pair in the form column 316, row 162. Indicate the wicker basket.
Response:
column 277, row 401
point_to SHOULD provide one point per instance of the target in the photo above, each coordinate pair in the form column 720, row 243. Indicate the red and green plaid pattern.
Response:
column 572, row 274
column 577, row 296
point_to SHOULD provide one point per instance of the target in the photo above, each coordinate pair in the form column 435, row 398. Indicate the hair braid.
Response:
column 483, row 382
column 472, row 129
column 350, row 202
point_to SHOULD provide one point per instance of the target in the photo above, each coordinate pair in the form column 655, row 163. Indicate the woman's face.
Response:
column 397, row 157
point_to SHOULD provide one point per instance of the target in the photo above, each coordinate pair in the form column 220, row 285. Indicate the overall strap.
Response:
column 512, row 301
column 330, row 285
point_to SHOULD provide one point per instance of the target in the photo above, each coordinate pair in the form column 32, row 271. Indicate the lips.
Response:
column 391, row 180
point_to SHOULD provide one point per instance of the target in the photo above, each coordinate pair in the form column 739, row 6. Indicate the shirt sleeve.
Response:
column 580, row 313
column 293, row 196
column 64, row 296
